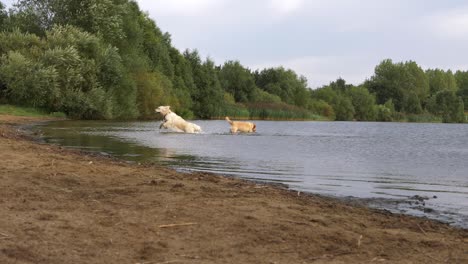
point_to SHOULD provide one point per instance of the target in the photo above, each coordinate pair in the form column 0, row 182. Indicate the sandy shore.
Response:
column 61, row 206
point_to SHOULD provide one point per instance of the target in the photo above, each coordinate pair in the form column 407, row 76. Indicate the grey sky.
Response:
column 320, row 39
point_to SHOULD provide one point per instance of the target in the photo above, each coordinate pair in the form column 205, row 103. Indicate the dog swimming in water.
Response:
column 241, row 126
column 175, row 122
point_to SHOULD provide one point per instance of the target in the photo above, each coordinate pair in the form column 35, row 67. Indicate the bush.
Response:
column 321, row 108
column 447, row 105
column 280, row 111
column 384, row 114
column 423, row 118
column 36, row 86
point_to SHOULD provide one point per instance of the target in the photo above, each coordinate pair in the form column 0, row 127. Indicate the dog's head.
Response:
column 163, row 110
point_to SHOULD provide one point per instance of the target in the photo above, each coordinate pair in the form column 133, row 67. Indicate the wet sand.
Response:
column 64, row 206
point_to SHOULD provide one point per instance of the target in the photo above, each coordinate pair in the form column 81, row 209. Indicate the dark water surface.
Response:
column 419, row 169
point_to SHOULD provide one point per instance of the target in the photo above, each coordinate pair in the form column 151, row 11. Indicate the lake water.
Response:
column 418, row 169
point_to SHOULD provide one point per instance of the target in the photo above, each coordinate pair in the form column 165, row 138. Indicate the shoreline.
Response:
column 64, row 206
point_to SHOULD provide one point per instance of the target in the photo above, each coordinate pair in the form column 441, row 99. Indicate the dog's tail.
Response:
column 254, row 129
column 229, row 120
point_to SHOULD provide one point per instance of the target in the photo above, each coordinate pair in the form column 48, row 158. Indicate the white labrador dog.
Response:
column 175, row 122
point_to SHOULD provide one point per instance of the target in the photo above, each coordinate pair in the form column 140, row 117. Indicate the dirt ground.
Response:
column 62, row 206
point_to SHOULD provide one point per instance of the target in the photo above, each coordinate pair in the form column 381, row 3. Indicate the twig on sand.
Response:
column 422, row 230
column 3, row 234
column 330, row 256
column 378, row 259
column 175, row 225
column 359, row 241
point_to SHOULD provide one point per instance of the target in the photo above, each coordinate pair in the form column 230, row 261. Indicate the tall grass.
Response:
column 280, row 111
column 237, row 111
column 6, row 109
column 423, row 118
column 266, row 111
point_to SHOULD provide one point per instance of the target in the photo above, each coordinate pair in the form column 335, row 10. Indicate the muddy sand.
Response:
column 63, row 206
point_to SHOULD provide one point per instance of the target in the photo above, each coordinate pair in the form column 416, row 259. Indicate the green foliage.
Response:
column 283, row 83
column 233, row 109
column 151, row 92
column 384, row 114
column 462, row 83
column 423, row 118
column 363, row 103
column 448, row 105
column 101, row 59
column 412, row 104
column 322, row 108
column 36, row 86
column 440, row 80
column 28, row 111
column 3, row 15
column 344, row 109
column 397, row 81
column 24, row 43
column 208, row 97
column 279, row 111
column 260, row 96
column 238, row 81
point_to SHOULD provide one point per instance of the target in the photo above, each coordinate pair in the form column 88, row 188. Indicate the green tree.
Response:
column 462, row 83
column 440, row 80
column 447, row 104
column 283, row 83
column 397, row 82
column 3, row 15
column 387, row 83
column 343, row 108
column 340, row 85
column 322, row 108
column 417, row 80
column 325, row 93
column 209, row 96
column 383, row 113
column 363, row 103
column 238, row 81
column 412, row 104
column 261, row 96
column 36, row 86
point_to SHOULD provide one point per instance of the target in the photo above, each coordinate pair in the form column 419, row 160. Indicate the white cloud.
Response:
column 321, row 70
column 285, row 7
column 179, row 7
column 449, row 24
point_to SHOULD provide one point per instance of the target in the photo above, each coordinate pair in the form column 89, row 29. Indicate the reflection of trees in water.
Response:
column 72, row 135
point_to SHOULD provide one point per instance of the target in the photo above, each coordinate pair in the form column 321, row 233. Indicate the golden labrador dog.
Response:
column 175, row 122
column 239, row 126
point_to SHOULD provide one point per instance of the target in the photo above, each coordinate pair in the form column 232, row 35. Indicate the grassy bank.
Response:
column 423, row 118
column 267, row 111
column 6, row 109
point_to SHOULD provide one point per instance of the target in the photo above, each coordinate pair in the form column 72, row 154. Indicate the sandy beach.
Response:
column 64, row 206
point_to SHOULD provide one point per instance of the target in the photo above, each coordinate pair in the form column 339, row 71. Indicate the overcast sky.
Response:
column 320, row 39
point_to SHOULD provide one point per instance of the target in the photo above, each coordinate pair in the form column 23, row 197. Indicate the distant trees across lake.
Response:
column 106, row 59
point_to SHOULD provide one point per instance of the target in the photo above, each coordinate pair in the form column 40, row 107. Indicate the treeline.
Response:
column 103, row 59
column 106, row 59
column 397, row 92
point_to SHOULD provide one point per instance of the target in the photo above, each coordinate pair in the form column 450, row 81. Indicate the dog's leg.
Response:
column 163, row 124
